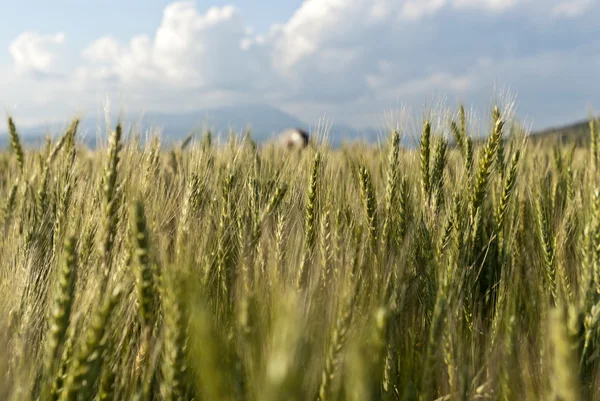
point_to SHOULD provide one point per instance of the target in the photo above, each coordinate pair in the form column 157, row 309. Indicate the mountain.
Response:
column 264, row 121
column 576, row 133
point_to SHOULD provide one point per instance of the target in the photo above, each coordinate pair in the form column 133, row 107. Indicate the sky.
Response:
column 350, row 61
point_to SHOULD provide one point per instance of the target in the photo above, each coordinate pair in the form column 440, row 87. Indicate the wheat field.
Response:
column 463, row 269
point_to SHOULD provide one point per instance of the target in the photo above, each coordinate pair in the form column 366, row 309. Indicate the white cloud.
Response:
column 109, row 60
column 416, row 9
column 494, row 5
column 190, row 49
column 103, row 50
column 328, row 49
column 348, row 57
column 572, row 8
column 35, row 53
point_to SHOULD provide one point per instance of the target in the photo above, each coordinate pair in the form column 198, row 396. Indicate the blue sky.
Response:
column 350, row 60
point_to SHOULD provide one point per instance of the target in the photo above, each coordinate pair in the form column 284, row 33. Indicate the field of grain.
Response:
column 459, row 270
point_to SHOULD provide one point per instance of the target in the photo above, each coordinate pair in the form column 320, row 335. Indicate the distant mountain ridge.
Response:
column 264, row 121
column 575, row 133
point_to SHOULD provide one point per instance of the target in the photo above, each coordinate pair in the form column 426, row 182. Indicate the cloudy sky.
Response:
column 349, row 60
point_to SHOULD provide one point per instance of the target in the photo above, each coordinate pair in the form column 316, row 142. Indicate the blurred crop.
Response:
column 463, row 269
